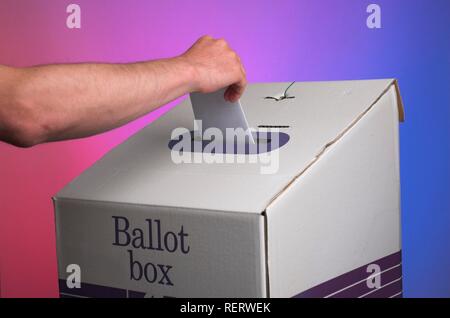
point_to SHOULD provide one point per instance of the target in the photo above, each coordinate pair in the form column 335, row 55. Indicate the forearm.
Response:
column 57, row 102
column 70, row 101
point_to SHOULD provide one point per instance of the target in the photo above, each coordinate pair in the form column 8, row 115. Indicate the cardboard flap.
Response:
column 401, row 108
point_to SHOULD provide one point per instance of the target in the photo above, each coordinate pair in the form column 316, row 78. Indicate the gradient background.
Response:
column 277, row 41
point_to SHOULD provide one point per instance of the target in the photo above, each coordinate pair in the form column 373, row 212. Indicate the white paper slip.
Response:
column 215, row 112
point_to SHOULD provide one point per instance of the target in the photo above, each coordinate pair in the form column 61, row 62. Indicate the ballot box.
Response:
column 312, row 211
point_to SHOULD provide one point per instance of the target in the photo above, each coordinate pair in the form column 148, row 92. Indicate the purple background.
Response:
column 278, row 41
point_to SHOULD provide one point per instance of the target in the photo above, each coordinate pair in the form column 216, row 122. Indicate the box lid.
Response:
column 141, row 170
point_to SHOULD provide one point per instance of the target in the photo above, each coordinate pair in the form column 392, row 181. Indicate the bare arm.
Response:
column 56, row 102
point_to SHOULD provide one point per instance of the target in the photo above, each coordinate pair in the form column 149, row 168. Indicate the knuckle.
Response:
column 239, row 73
column 222, row 42
column 205, row 38
column 233, row 55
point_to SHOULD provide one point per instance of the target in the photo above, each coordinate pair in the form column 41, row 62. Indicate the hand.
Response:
column 216, row 65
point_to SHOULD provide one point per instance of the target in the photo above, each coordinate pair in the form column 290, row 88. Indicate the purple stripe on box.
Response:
column 341, row 282
column 135, row 294
column 90, row 290
column 264, row 142
column 67, row 296
column 362, row 287
column 96, row 291
column 386, row 291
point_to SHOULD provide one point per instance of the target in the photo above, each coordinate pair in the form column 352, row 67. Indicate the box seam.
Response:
column 329, row 144
column 151, row 205
column 266, row 253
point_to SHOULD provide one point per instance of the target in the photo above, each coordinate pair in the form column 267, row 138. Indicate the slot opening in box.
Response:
column 265, row 141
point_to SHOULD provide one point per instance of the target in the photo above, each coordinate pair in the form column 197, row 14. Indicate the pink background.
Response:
column 279, row 40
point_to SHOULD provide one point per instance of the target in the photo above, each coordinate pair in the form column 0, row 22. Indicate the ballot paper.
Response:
column 215, row 112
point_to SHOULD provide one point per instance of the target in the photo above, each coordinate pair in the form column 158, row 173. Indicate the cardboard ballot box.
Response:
column 316, row 216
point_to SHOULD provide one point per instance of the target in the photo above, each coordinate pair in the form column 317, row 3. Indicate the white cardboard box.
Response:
column 326, row 223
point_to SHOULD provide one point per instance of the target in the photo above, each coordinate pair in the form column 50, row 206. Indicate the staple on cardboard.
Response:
column 282, row 96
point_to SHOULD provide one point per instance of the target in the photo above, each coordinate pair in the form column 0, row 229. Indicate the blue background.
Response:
column 278, row 41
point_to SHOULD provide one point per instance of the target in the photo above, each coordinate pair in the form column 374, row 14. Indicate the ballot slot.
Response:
column 264, row 141
column 234, row 136
column 273, row 126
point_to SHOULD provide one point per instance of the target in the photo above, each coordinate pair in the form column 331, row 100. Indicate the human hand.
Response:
column 215, row 65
